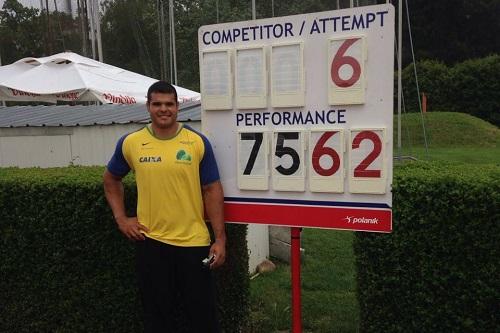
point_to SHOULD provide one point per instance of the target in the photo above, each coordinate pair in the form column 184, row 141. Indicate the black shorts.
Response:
column 177, row 291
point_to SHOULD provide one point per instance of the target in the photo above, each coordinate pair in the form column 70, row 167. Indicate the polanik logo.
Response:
column 361, row 220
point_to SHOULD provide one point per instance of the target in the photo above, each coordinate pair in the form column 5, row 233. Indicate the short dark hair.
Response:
column 161, row 87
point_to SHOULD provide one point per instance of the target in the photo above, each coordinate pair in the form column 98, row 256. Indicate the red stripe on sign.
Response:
column 360, row 219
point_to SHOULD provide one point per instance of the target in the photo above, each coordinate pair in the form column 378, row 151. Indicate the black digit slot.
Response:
column 281, row 150
column 255, row 150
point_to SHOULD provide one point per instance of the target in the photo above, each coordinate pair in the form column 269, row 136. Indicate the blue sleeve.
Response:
column 209, row 172
column 118, row 166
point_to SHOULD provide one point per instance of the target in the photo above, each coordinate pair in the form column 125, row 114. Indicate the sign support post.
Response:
column 296, row 295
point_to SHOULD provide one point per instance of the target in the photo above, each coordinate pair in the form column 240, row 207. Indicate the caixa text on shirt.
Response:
column 149, row 159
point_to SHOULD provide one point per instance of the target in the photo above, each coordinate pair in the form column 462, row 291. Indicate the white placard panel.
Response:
column 328, row 74
column 251, row 78
column 367, row 161
column 287, row 75
column 346, row 74
column 253, row 160
column 326, row 160
column 217, row 80
column 288, row 161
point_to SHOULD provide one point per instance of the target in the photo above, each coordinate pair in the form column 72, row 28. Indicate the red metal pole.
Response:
column 424, row 103
column 296, row 304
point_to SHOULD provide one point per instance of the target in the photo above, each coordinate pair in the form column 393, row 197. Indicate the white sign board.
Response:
column 299, row 111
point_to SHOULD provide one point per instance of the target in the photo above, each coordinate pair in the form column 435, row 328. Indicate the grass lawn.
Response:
column 451, row 136
column 446, row 130
column 328, row 288
column 463, row 155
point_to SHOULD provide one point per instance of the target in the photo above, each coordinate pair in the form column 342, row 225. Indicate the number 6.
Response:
column 341, row 59
column 346, row 70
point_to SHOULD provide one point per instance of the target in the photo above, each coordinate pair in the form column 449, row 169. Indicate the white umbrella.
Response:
column 70, row 77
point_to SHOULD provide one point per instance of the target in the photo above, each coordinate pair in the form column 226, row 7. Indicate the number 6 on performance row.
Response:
column 323, row 159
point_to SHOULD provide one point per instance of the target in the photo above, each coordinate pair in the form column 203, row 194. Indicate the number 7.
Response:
column 255, row 150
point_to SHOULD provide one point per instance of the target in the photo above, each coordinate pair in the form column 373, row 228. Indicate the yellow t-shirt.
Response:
column 169, row 174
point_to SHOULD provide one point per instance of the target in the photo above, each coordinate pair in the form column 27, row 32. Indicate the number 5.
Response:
column 281, row 150
column 288, row 158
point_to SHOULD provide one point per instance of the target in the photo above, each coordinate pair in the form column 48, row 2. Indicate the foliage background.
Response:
column 472, row 87
column 448, row 31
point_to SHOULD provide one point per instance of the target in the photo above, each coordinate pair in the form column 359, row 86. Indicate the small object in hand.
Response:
column 207, row 261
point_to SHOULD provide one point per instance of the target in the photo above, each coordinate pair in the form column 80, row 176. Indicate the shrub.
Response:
column 65, row 267
column 472, row 87
column 433, row 79
column 476, row 88
column 438, row 270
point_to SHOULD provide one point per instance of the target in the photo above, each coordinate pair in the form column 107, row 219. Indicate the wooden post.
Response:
column 424, row 103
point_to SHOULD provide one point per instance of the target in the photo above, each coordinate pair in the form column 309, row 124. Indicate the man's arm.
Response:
column 113, row 189
column 213, row 197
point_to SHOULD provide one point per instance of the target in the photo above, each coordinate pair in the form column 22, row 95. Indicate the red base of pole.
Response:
column 296, row 303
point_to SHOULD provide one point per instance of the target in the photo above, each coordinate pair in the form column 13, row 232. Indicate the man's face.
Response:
column 163, row 109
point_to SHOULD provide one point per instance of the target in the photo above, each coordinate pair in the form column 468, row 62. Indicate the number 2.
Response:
column 361, row 169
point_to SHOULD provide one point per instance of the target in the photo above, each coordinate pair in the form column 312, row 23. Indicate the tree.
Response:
column 452, row 31
column 129, row 34
column 130, row 30
column 22, row 32
column 449, row 31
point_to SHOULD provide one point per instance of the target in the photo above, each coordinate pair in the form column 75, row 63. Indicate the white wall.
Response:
column 61, row 146
column 94, row 145
column 28, row 147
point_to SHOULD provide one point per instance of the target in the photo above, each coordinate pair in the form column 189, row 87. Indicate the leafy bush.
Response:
column 65, row 267
column 433, row 79
column 438, row 270
column 476, row 88
column 472, row 87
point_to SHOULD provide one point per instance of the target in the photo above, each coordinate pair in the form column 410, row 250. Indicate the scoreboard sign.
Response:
column 299, row 112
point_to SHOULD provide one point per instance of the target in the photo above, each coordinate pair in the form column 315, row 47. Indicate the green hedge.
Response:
column 438, row 271
column 434, row 80
column 65, row 267
column 472, row 87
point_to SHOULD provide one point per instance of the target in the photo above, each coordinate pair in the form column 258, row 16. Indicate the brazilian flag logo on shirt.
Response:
column 183, row 156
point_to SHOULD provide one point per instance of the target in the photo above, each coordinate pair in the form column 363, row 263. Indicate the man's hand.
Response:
column 213, row 197
column 113, row 189
column 131, row 228
column 219, row 250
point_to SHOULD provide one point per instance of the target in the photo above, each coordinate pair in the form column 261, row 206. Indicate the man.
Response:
column 177, row 177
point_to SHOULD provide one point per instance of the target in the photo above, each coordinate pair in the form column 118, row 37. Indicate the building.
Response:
column 57, row 136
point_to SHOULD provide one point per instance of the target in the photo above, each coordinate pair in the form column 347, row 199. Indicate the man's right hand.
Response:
column 131, row 228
